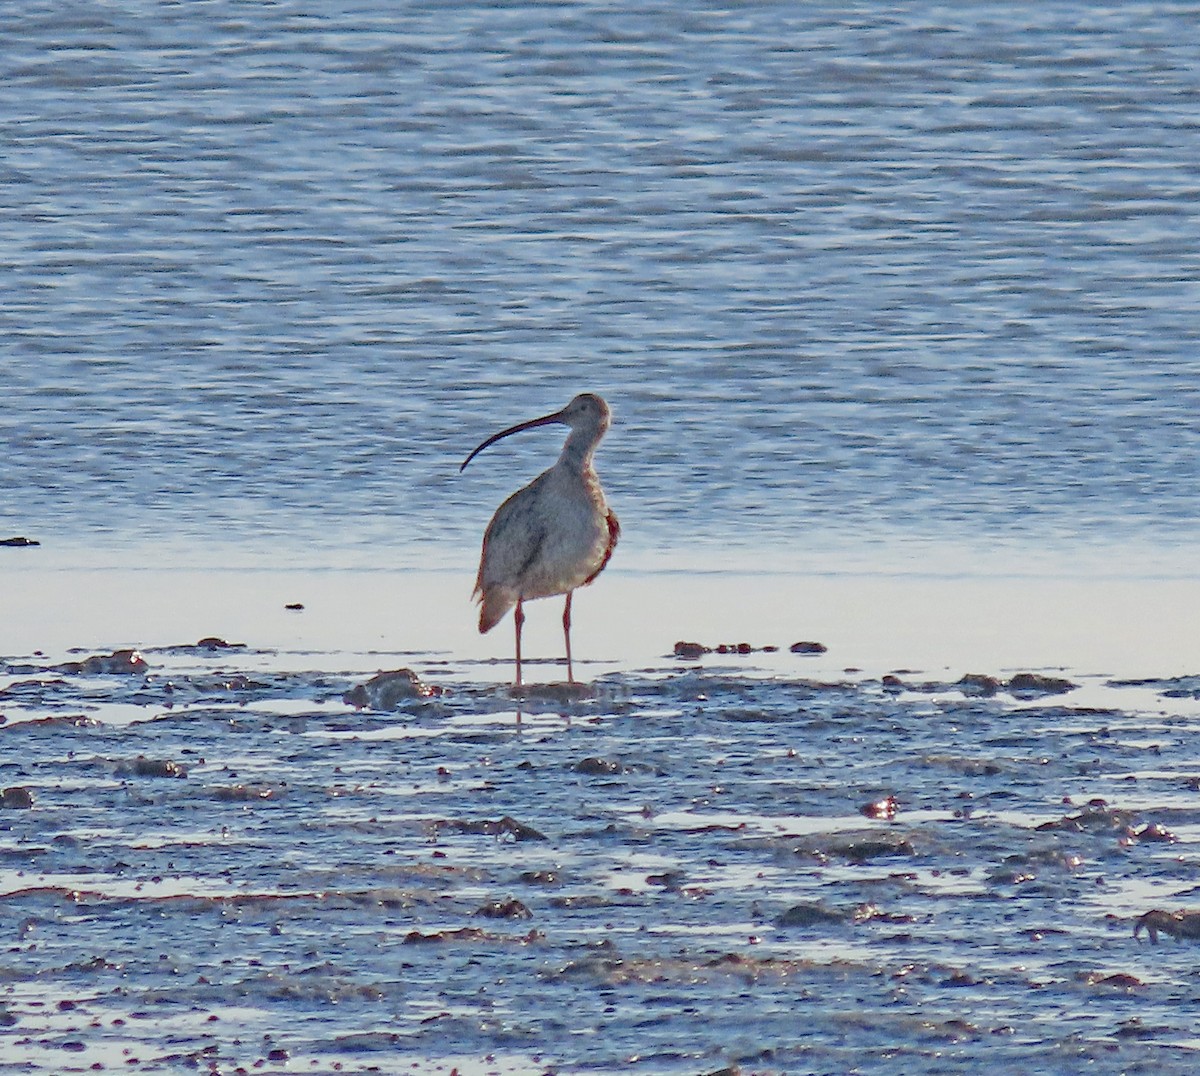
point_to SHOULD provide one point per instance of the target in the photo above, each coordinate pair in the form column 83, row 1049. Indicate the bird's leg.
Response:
column 567, row 635
column 519, row 620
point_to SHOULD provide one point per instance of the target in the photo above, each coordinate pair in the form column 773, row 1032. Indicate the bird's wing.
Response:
column 511, row 544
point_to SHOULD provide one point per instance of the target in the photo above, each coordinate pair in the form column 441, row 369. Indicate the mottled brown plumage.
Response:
column 554, row 535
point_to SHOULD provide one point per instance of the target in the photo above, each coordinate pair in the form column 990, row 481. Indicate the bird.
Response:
column 555, row 534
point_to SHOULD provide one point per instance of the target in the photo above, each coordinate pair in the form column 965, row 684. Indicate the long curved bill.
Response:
column 545, row 420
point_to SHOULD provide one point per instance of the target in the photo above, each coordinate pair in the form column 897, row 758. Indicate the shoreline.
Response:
column 872, row 623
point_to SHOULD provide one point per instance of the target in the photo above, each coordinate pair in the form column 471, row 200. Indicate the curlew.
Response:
column 554, row 535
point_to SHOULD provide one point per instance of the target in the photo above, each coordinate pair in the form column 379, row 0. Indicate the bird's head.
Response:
column 586, row 412
column 588, row 415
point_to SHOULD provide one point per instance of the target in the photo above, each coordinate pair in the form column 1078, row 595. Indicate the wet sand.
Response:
column 857, row 860
column 1085, row 620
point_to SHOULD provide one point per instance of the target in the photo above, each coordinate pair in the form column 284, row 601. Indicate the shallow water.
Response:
column 309, row 885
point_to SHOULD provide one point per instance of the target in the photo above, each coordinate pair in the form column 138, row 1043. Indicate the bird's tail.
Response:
column 494, row 603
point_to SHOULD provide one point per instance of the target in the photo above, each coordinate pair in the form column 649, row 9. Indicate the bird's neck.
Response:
column 579, row 449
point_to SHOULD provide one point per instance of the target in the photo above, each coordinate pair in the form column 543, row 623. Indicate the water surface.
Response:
column 902, row 280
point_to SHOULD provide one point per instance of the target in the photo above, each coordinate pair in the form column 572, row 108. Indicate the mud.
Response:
column 219, row 862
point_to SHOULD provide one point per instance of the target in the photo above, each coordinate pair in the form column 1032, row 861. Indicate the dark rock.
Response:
column 17, row 798
column 810, row 915
column 118, row 663
column 690, row 651
column 386, row 690
column 505, row 909
column 518, row 830
column 816, row 914
column 78, row 721
column 149, row 767
column 808, row 648
column 669, row 880
column 1119, row 980
column 1027, row 866
column 415, row 937
column 213, row 643
column 1181, row 924
column 598, row 767
column 1095, row 818
column 978, row 685
column 295, row 607
column 863, row 848
column 1036, row 684
column 19, row 543
column 1153, row 831
column 505, row 826
column 1133, row 1028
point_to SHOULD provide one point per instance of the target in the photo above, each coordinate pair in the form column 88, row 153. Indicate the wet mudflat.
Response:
column 215, row 862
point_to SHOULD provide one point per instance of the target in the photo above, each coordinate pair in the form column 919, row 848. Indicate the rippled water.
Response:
column 226, row 865
column 848, row 274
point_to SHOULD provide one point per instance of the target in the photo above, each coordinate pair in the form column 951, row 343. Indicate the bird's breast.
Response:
column 550, row 537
